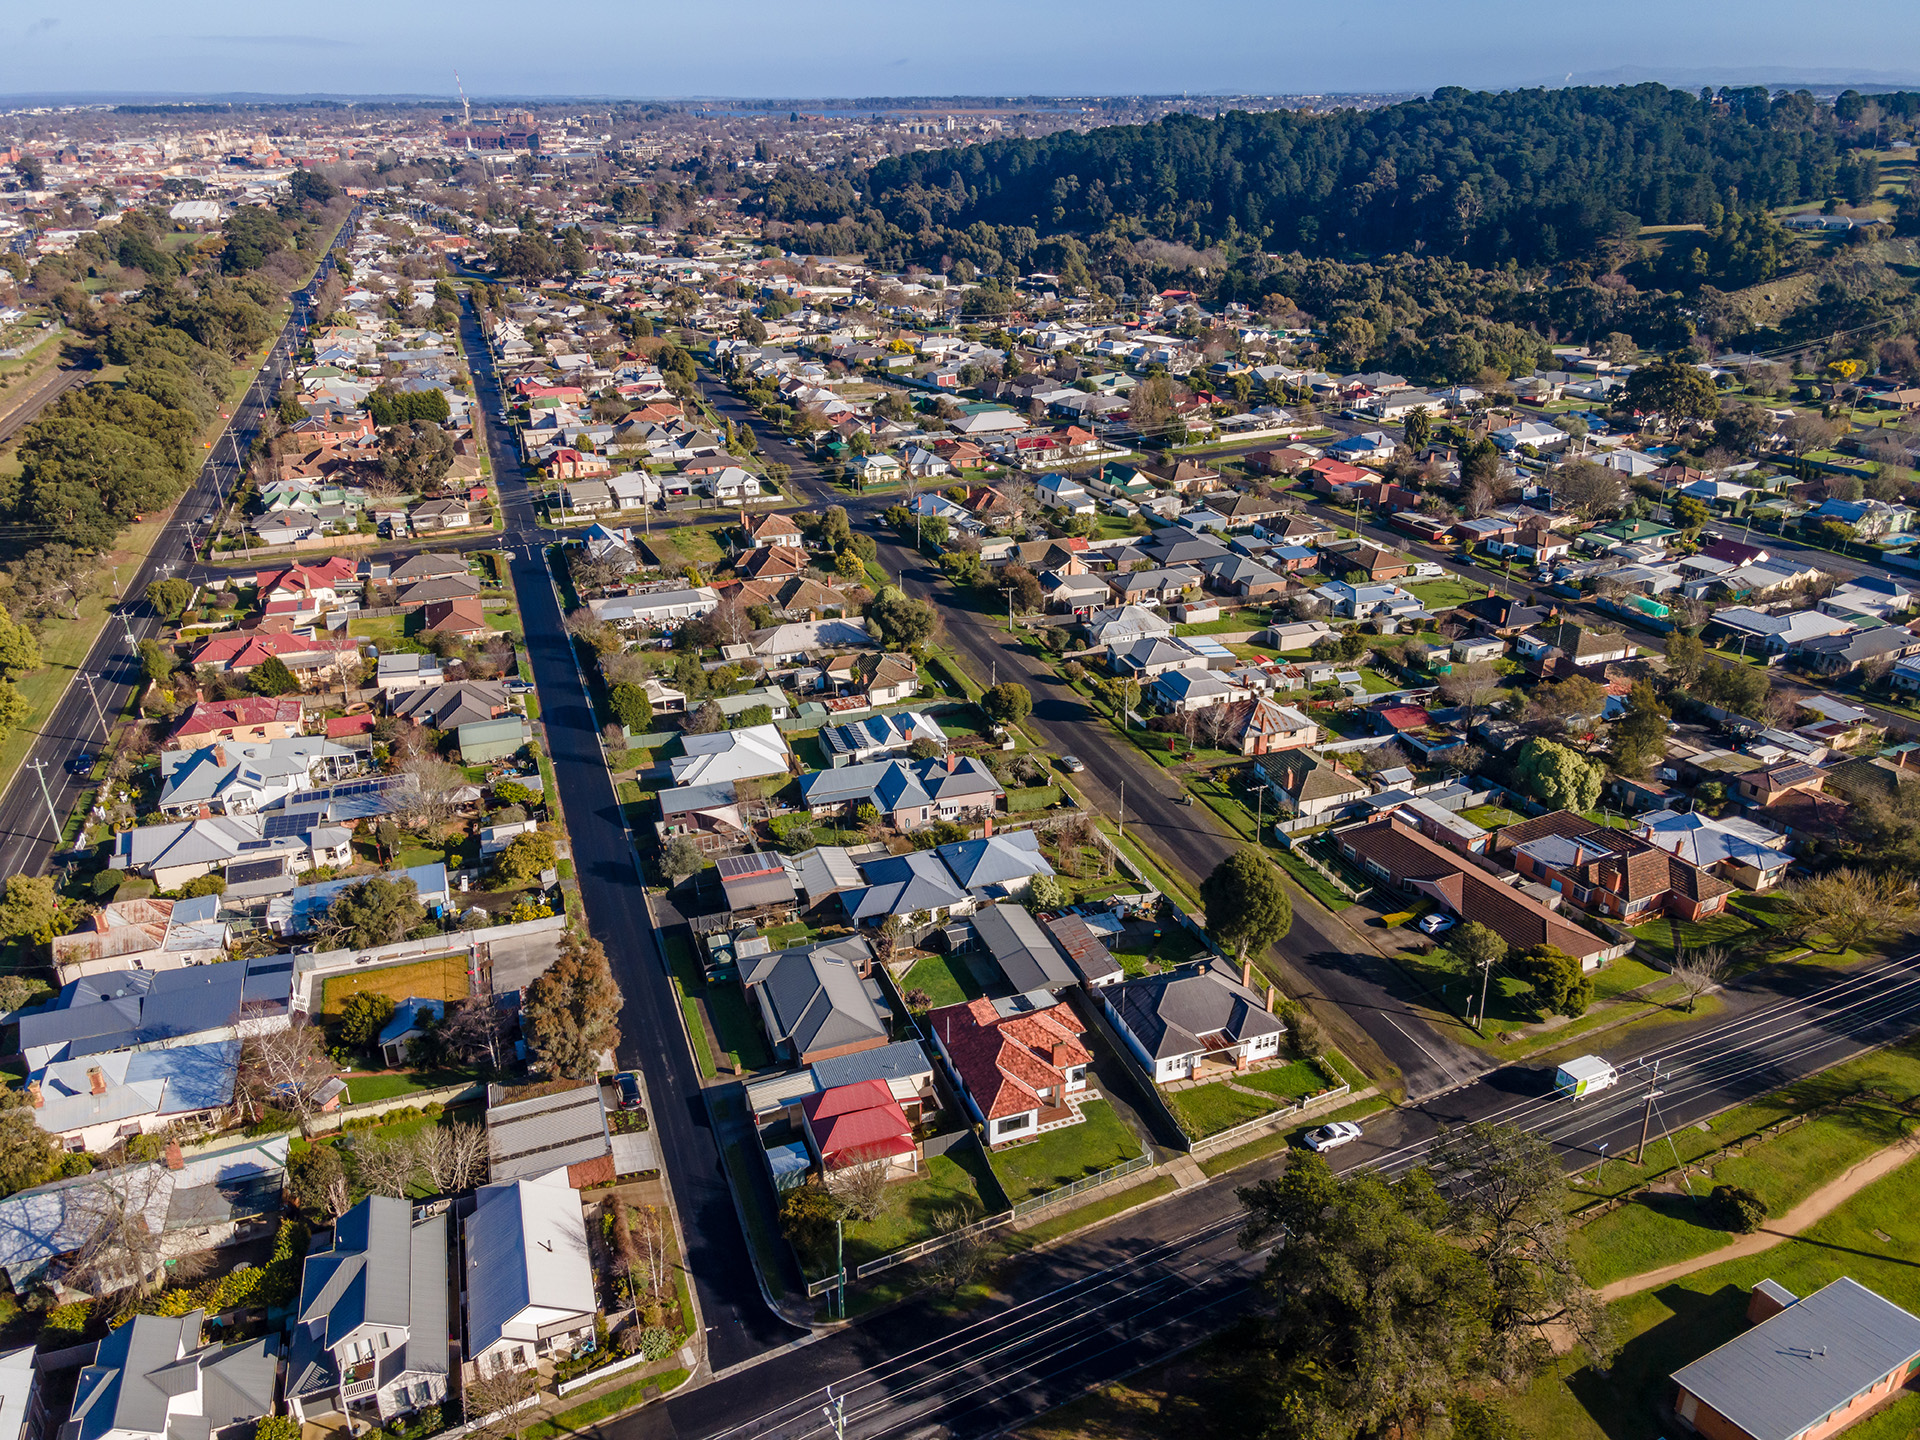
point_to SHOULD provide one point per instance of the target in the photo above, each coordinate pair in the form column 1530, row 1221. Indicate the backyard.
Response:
column 441, row 978
column 945, row 980
column 1061, row 1157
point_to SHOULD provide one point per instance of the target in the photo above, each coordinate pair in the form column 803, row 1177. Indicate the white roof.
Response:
column 1586, row 1067
column 730, row 755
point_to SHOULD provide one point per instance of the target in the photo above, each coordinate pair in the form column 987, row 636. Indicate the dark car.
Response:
column 629, row 1086
column 81, row 764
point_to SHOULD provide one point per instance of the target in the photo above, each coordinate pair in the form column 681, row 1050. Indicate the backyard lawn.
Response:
column 959, row 1180
column 1209, row 1109
column 1492, row 817
column 1443, row 594
column 1140, row 952
column 1061, row 1157
column 363, row 1088
column 946, row 981
column 441, row 978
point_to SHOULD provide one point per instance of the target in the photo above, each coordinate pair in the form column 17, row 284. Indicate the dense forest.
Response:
column 1535, row 175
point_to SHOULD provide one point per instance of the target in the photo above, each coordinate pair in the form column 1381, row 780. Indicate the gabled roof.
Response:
column 813, row 997
column 994, row 860
column 526, row 1249
column 1022, row 948
column 1186, row 1011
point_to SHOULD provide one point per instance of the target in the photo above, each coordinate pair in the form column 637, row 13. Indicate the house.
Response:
column 412, row 1019
column 171, row 855
column 153, row 1379
column 482, row 741
column 1747, row 854
column 1621, row 876
column 756, row 884
column 1563, row 648
column 1188, row 1021
column 240, row 652
column 1407, row 861
column 860, row 1124
column 529, row 1279
column 1260, row 726
column 876, row 737
column 440, row 515
column 1022, row 949
column 460, row 616
column 1768, row 787
column 1115, row 625
column 917, row 886
column 1147, row 659
column 1303, row 785
column 995, row 866
column 536, row 1129
column 907, row 793
column 94, row 1101
column 1843, row 653
column 751, row 753
column 371, row 1327
column 399, row 673
column 710, row 815
column 657, row 609
column 815, row 1001
column 450, row 705
column 1361, row 602
column 773, row 530
column 1808, row 1369
column 422, row 593
column 251, row 717
column 142, row 935
column 1020, row 1064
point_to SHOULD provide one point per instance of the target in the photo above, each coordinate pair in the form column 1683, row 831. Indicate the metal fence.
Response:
column 1263, row 1122
column 1037, row 1203
column 928, row 1247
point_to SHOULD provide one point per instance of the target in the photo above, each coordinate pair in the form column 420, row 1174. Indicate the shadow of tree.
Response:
column 1626, row 1400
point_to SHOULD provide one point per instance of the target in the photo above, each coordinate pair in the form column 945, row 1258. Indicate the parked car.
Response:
column 629, row 1086
column 1072, row 764
column 1333, row 1135
column 1436, row 924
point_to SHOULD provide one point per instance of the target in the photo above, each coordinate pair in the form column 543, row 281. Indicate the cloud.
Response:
column 304, row 42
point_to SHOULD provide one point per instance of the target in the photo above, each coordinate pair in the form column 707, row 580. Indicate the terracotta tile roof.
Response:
column 1005, row 1061
column 209, row 717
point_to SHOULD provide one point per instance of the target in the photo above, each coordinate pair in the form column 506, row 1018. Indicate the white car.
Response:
column 1333, row 1135
column 1436, row 924
column 1072, row 764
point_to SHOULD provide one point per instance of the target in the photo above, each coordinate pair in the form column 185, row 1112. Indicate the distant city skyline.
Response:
column 758, row 48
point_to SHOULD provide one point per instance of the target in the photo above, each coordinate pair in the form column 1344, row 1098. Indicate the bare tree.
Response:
column 433, row 800
column 650, row 1271
column 387, row 1166
column 1472, row 686
column 476, row 1030
column 859, row 1188
column 121, row 1250
column 283, row 1068
column 960, row 1261
column 453, row 1157
column 493, row 1396
column 1699, row 971
column 1851, row 908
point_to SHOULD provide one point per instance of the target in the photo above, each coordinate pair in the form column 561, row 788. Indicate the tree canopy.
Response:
column 1247, row 905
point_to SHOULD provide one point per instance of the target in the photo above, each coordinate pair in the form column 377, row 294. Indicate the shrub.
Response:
column 656, row 1342
column 1736, row 1208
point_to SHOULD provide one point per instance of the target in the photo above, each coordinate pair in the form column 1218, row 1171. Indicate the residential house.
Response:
column 1186, row 1022
column 154, row 1379
column 453, row 704
column 400, row 672
column 815, row 1001
column 710, row 815
column 241, row 777
column 145, row 935
column 1258, row 725
column 1362, row 602
column 95, row 1101
column 529, row 1274
column 440, row 515
column 536, row 1129
column 908, row 794
column 1407, row 861
column 1739, row 851
column 1305, row 786
column 1146, row 659
column 171, row 855
column 754, row 752
column 250, row 717
column 1019, row 1063
column 1564, row 648
column 1766, row 788
column 771, row 530
column 1022, row 950
column 917, row 886
column 240, row 652
column 858, row 1124
column 371, row 1327
column 1809, row 1368
column 656, row 609
column 1624, row 877
column 995, row 867
column 876, row 737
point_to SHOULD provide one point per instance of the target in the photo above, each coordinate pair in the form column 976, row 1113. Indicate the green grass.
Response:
column 1028, row 798
column 1312, row 881
column 1266, row 1145
column 1443, row 594
column 1492, row 817
column 1209, row 1109
column 734, row 1023
column 1240, row 623
column 686, row 977
column 1081, row 1216
column 571, row 1422
column 947, row 981
column 1175, row 946
column 364, row 1088
column 914, row 1207
column 1156, row 876
column 442, row 978
column 389, row 632
column 1292, row 1082
column 1060, row 1157
column 1664, row 1329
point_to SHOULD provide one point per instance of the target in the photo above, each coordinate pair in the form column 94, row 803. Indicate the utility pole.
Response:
column 1120, row 820
column 836, row 1409
column 1007, row 590
column 1486, row 978
column 1646, row 1119
column 40, row 769
column 99, row 714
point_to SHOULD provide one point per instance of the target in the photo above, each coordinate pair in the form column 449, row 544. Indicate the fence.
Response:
column 594, row 1377
column 1037, row 1203
column 923, row 1248
column 324, row 965
column 446, row 1095
column 1227, row 1137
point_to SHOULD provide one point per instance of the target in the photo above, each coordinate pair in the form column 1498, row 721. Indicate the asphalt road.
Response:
column 1140, row 1287
column 1360, row 995
column 739, row 1323
column 99, row 689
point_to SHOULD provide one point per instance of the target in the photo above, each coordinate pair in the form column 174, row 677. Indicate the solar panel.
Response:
column 375, row 786
column 280, row 826
column 252, row 870
column 752, row 863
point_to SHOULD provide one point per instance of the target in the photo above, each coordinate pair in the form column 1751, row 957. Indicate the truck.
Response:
column 1584, row 1075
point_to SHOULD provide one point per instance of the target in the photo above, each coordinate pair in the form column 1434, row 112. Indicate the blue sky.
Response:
column 908, row 47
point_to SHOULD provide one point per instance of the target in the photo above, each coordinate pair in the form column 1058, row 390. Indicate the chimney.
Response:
column 96, row 1080
column 1273, row 996
column 219, row 753
column 1246, row 973
column 987, row 820
column 34, row 1097
column 175, row 1160
column 1061, row 1056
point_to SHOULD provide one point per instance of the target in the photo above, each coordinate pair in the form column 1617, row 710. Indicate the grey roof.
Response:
column 1086, row 952
column 1790, row 1372
column 148, row 1363
column 1022, row 948
column 1170, row 1014
column 681, row 799
column 457, row 703
column 813, row 997
column 824, row 870
column 903, row 1060
column 891, row 785
column 526, row 1247
column 544, row 1132
column 118, row 1009
column 880, row 732
column 379, row 1267
column 994, row 860
column 901, row 884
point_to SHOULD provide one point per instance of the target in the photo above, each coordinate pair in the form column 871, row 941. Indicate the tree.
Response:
column 1686, row 654
column 476, row 1031
column 1419, row 428
column 317, row 1181
column 707, row 719
column 27, row 1153
column 1044, row 892
column 1560, row 987
column 573, row 1009
column 376, row 911
column 276, row 1427
column 272, row 677
column 899, row 621
column 1639, row 737
column 1850, row 907
column 1472, row 686
column 1689, row 514
column 632, row 708
column 156, row 660
column 120, row 1250
column 1674, row 388
column 31, row 908
column 494, row 1396
column 434, row 796
column 1009, row 702
column 1477, row 946
column 681, row 857
column 808, row 1217
column 415, row 456
column 1736, row 1208
column 958, row 1262
column 284, row 1067
column 521, row 863
column 1562, row 703
column 170, row 597
column 1247, row 905
column 19, row 648
column 1699, row 971
column 859, row 1187
column 1027, row 595
column 453, row 1157
column 363, row 1017
column 386, row 1165
column 1558, row 777
column 1587, row 487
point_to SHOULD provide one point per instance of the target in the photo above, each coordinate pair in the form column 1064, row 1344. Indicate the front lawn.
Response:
column 1061, row 1157
column 945, row 980
column 1209, row 1109
column 956, row 1181
column 1290, row 1082
column 1443, row 594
